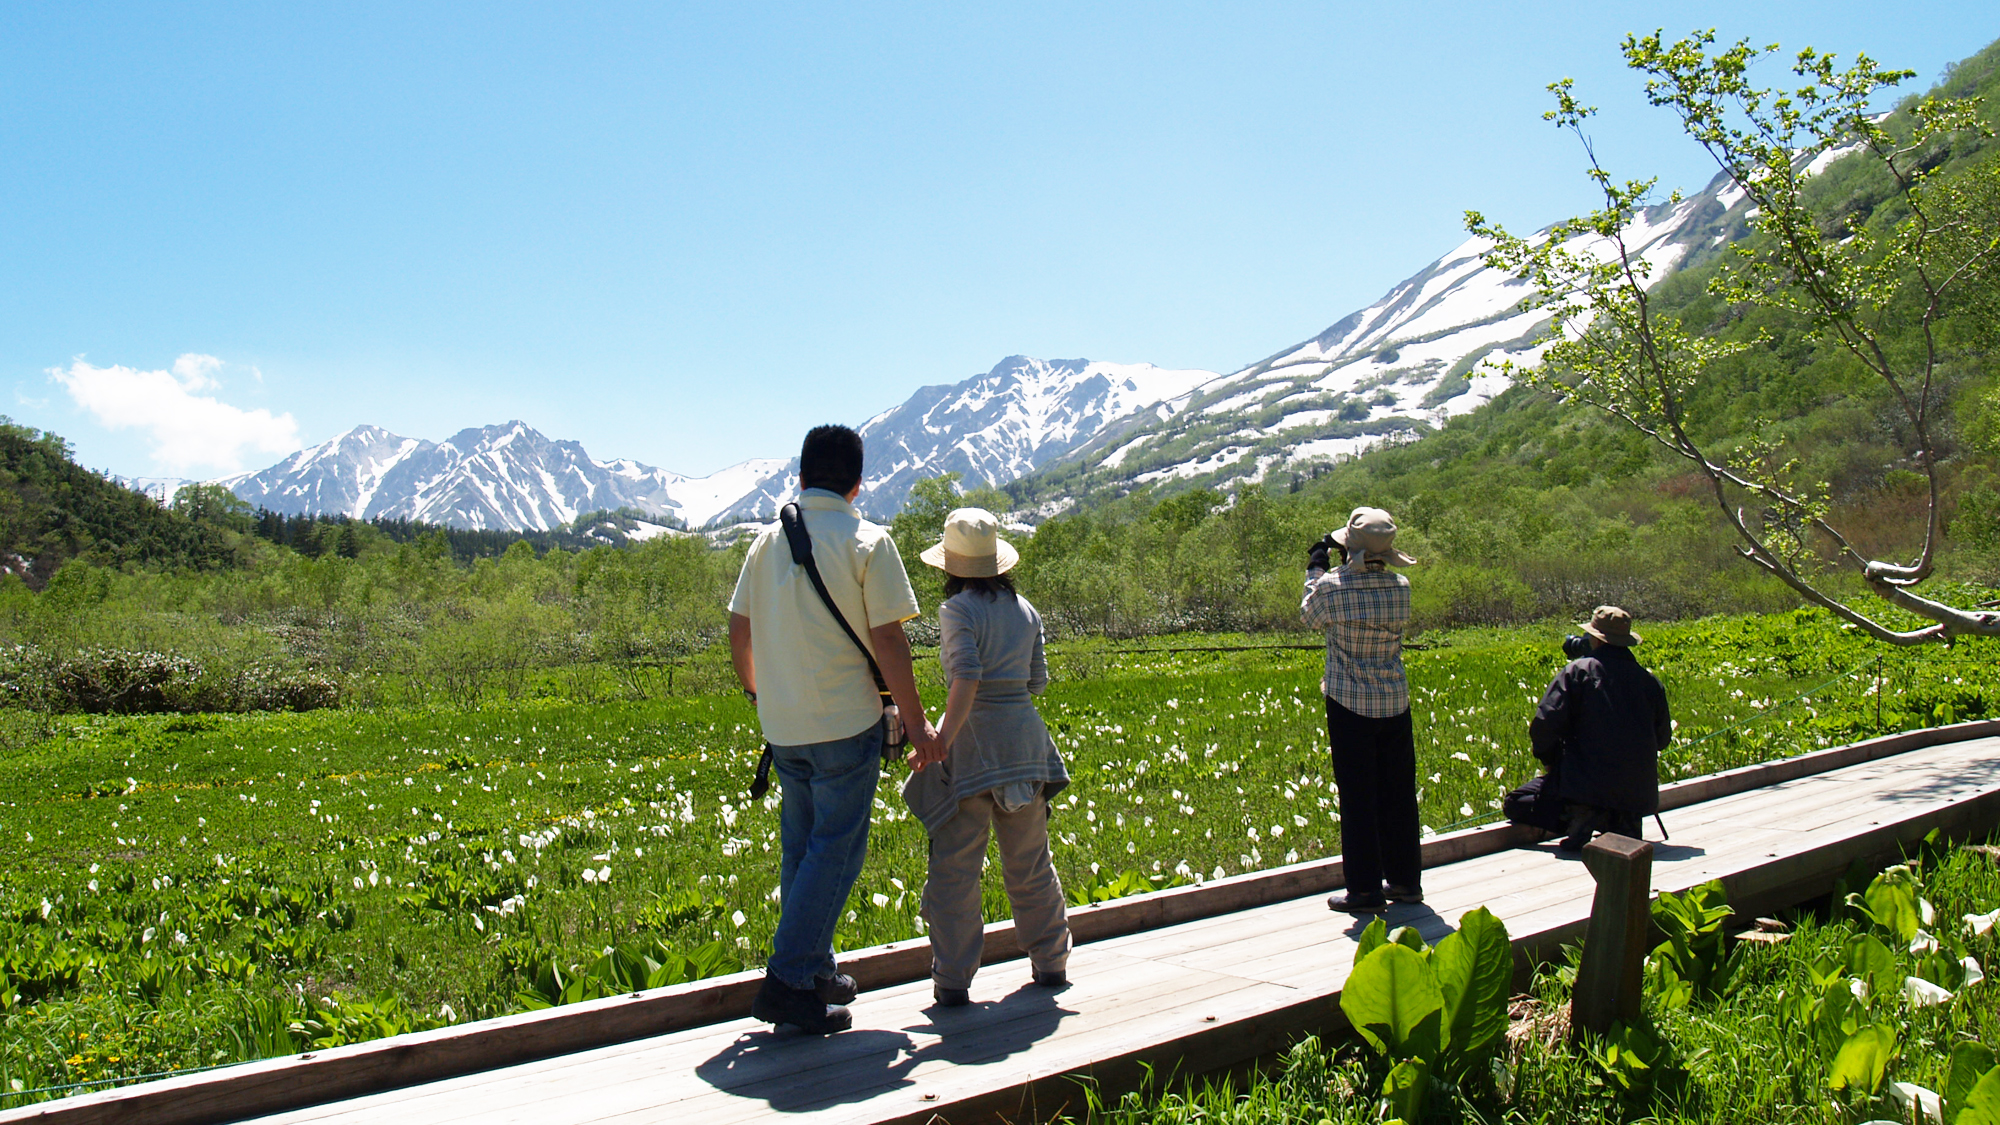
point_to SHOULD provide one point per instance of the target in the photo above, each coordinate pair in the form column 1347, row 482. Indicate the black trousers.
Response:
column 1375, row 765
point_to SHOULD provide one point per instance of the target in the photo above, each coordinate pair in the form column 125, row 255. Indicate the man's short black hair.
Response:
column 830, row 459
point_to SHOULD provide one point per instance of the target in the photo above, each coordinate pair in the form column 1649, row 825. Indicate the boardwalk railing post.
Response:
column 1614, row 947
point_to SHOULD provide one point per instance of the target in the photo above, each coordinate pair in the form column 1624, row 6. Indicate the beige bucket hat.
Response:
column 1611, row 625
column 1373, row 531
column 972, row 547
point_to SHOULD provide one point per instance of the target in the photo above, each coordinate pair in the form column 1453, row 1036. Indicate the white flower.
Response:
column 1465, row 810
column 1859, row 988
column 357, row 882
column 879, row 899
column 604, row 874
column 590, row 875
column 92, row 884
column 1973, row 973
column 1928, row 1106
column 449, row 1015
column 1923, row 943
column 737, row 919
column 1928, row 911
column 1922, row 993
column 1982, row 924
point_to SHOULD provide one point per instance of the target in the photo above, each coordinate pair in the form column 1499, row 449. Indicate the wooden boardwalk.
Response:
column 1195, row 994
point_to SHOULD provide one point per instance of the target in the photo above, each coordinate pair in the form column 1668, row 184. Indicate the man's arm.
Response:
column 739, row 651
column 892, row 655
column 1548, row 729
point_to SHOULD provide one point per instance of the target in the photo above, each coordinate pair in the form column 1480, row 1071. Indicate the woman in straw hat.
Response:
column 1000, row 770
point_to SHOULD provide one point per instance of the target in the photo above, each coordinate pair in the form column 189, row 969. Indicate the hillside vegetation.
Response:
column 1526, row 508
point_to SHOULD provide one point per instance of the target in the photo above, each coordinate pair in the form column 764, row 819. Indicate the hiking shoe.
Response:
column 951, row 997
column 836, row 989
column 1052, row 979
column 779, row 1003
column 1411, row 893
column 1355, row 902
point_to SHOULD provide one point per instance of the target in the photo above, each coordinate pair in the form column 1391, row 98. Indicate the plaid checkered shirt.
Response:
column 1364, row 613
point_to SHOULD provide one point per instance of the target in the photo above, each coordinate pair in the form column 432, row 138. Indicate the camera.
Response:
column 1575, row 647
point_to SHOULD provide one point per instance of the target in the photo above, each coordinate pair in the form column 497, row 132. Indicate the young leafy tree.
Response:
column 1881, row 292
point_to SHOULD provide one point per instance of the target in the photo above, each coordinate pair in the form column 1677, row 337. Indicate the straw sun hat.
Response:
column 972, row 547
column 1374, row 531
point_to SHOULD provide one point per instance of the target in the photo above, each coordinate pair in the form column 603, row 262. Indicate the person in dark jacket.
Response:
column 1600, row 729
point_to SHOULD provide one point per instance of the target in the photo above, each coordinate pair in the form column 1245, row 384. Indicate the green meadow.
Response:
column 196, row 889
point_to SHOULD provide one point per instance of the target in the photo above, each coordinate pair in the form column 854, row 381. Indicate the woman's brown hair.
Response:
column 991, row 587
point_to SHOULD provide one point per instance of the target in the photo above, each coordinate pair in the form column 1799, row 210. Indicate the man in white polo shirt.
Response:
column 822, row 715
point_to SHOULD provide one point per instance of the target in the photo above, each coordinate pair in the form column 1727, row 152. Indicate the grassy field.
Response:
column 180, row 891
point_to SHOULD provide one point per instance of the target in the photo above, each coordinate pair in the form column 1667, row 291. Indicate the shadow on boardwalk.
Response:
column 784, row 1069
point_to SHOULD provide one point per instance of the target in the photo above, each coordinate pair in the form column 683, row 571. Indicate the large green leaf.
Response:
column 1870, row 961
column 1969, row 1062
column 1891, row 900
column 1392, row 999
column 1982, row 1105
column 1372, row 937
column 1404, row 1089
column 1863, row 1060
column 1475, row 970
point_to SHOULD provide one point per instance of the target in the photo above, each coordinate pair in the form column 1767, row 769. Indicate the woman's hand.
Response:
column 926, row 747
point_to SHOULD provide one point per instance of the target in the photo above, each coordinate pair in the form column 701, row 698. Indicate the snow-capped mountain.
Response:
column 1384, row 373
column 1052, row 429
column 992, row 428
column 503, row 477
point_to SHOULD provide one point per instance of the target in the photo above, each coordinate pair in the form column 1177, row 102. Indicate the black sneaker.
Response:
column 1355, row 902
column 778, row 1003
column 836, row 989
column 1055, row 979
column 951, row 997
column 1394, row 893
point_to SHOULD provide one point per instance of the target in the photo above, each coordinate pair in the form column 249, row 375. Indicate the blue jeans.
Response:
column 828, row 798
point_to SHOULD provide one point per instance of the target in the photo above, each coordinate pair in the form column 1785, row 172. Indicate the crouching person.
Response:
column 1599, row 730
column 995, row 768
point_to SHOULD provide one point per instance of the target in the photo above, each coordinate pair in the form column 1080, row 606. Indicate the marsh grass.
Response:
column 167, row 880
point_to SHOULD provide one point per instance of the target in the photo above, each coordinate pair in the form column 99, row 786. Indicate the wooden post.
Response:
column 1614, row 946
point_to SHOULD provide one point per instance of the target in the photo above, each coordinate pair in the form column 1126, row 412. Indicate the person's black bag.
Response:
column 1532, row 805
column 800, row 542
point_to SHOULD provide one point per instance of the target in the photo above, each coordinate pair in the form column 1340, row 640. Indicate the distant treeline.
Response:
column 315, row 536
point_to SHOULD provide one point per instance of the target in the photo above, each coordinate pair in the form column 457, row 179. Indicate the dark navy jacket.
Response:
column 1600, row 728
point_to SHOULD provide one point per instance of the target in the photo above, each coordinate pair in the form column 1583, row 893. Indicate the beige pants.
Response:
column 951, row 893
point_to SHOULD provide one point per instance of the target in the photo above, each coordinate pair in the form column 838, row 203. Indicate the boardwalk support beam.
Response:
column 1614, row 947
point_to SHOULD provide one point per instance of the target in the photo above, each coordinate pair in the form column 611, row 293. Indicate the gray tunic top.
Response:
column 998, row 643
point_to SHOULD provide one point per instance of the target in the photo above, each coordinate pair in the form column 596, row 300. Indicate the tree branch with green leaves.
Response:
column 1864, row 288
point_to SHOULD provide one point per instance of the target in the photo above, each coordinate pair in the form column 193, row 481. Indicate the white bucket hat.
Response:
column 1372, row 531
column 972, row 547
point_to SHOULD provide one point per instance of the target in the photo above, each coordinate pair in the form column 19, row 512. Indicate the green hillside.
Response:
column 53, row 510
column 1526, row 508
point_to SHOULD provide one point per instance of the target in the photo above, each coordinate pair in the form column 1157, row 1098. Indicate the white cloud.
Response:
column 189, row 429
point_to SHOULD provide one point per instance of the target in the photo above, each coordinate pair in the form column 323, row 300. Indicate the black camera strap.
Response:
column 800, row 542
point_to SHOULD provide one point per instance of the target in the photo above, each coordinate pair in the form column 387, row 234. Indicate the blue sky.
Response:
column 684, row 233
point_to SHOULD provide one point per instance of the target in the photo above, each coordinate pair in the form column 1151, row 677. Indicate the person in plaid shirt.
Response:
column 1364, row 607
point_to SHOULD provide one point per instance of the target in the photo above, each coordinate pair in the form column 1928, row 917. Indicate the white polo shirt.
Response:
column 812, row 685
